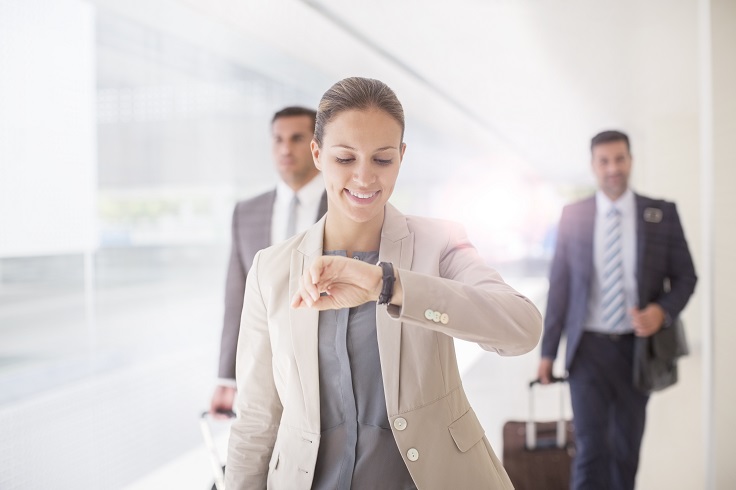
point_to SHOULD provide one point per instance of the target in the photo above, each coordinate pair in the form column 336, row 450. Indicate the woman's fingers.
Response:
column 316, row 283
column 297, row 301
column 309, row 286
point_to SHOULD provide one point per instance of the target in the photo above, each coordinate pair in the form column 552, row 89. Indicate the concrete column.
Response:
column 723, row 50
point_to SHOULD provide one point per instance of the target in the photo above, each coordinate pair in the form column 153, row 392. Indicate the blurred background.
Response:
column 128, row 130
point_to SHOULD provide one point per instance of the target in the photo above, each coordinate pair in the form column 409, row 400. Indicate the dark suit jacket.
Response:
column 251, row 232
column 664, row 268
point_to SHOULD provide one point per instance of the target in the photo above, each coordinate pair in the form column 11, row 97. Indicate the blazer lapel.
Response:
column 322, row 206
column 265, row 235
column 304, row 323
column 397, row 247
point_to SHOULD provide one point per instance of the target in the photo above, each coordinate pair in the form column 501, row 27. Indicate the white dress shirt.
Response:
column 626, row 204
column 309, row 199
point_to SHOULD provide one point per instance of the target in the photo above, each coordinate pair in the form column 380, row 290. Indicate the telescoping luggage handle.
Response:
column 531, row 428
column 204, row 425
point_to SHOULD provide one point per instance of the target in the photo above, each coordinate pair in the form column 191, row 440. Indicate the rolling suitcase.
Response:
column 218, row 469
column 538, row 455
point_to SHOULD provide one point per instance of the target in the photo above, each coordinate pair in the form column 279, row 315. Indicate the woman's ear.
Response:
column 403, row 149
column 315, row 154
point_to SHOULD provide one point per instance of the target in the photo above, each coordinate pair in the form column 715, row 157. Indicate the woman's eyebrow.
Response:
column 351, row 148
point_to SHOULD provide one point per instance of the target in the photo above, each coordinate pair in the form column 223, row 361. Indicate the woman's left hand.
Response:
column 346, row 282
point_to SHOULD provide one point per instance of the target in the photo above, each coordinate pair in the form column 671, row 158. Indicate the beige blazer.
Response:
column 449, row 291
column 251, row 231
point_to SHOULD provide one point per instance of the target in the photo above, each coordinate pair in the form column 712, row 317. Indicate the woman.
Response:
column 337, row 391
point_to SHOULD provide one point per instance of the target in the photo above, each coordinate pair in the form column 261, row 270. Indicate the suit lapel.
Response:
column 304, row 323
column 264, row 237
column 587, row 237
column 641, row 244
column 397, row 247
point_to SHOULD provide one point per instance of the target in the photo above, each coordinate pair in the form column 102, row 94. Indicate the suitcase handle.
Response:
column 531, row 426
column 552, row 380
column 204, row 425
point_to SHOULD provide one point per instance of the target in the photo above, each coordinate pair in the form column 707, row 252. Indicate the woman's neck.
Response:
column 345, row 234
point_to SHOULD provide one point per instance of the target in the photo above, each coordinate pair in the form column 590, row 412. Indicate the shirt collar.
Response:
column 309, row 194
column 625, row 204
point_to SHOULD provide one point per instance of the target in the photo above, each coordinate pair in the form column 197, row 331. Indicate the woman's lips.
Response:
column 362, row 197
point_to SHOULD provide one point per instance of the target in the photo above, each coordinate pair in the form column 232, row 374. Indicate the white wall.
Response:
column 670, row 163
column 47, row 128
column 663, row 124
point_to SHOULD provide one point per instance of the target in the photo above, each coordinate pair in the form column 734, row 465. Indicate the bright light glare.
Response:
column 507, row 215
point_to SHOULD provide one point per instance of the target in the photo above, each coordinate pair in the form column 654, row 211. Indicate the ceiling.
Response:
column 519, row 82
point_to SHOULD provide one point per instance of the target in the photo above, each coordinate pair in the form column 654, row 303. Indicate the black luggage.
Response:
column 538, row 455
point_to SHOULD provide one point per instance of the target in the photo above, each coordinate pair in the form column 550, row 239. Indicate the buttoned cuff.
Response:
column 414, row 307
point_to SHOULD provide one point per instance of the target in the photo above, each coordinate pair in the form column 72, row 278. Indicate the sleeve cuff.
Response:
column 228, row 383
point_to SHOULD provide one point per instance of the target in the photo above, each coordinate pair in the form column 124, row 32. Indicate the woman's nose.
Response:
column 363, row 174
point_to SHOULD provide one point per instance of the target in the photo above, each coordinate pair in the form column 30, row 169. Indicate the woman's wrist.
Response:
column 378, row 282
column 398, row 297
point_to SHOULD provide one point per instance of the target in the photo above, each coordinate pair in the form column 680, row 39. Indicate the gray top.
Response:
column 357, row 449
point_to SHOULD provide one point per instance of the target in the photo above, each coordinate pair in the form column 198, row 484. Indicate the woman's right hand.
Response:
column 345, row 282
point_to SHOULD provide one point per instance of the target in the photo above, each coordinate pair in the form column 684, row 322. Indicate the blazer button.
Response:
column 445, row 319
column 436, row 317
column 400, row 423
column 429, row 314
column 412, row 454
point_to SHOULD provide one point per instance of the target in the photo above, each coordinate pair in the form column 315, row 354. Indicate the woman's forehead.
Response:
column 364, row 124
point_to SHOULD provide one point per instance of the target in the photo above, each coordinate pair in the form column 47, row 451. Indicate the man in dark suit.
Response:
column 621, row 269
column 297, row 202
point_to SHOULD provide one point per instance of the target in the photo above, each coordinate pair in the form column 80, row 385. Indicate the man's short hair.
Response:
column 609, row 137
column 296, row 111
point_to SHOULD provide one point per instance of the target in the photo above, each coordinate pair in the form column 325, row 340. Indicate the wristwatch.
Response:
column 387, row 290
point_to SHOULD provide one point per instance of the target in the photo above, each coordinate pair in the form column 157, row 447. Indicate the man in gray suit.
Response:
column 622, row 269
column 297, row 202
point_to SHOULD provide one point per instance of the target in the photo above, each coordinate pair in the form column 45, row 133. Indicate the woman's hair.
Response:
column 356, row 93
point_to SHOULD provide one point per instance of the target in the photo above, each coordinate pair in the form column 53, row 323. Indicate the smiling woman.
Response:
column 347, row 375
column 360, row 163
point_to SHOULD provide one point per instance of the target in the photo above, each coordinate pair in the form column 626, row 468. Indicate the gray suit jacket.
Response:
column 664, row 268
column 275, row 440
column 251, row 232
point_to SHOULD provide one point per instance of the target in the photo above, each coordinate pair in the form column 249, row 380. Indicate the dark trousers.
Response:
column 609, row 413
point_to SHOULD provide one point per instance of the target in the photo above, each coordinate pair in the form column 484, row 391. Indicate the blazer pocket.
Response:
column 466, row 431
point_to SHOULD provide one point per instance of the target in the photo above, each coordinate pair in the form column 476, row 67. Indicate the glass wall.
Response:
column 124, row 150
column 123, row 146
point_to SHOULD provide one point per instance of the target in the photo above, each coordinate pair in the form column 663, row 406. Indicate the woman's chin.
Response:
column 363, row 214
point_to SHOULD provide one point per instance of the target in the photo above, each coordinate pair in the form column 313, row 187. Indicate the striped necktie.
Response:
column 613, row 306
column 291, row 224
